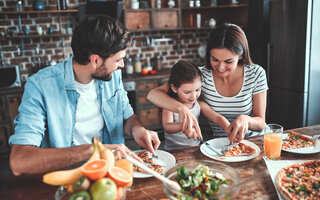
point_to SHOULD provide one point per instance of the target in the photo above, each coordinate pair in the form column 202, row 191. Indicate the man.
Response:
column 65, row 105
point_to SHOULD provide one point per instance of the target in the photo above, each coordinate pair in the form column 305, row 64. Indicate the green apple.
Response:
column 104, row 188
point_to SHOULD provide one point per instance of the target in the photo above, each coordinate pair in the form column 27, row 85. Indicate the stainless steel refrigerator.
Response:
column 293, row 69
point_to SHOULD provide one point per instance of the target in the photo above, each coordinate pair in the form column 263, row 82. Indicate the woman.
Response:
column 232, row 86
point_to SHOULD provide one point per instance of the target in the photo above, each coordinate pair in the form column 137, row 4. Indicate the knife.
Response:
column 211, row 148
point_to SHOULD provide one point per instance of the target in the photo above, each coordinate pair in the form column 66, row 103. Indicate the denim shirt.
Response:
column 47, row 113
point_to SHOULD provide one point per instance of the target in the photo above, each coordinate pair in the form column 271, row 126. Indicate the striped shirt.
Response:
column 255, row 81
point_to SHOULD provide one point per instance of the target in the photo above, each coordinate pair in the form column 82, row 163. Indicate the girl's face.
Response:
column 188, row 93
column 223, row 61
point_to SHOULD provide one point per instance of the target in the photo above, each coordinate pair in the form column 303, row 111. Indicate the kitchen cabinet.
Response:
column 182, row 16
column 9, row 103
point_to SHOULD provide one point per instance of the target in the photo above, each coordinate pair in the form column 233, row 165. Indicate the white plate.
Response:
column 304, row 150
column 166, row 159
column 218, row 143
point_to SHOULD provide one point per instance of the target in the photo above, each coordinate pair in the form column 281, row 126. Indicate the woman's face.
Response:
column 223, row 61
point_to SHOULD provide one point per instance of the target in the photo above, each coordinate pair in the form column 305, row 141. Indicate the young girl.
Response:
column 185, row 86
column 232, row 86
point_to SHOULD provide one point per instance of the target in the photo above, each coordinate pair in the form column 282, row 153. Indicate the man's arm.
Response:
column 145, row 138
column 26, row 159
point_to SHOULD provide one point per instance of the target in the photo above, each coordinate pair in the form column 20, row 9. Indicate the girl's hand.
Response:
column 238, row 128
column 187, row 122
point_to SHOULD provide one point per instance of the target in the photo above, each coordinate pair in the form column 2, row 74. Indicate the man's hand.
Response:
column 145, row 138
column 120, row 151
column 238, row 128
column 189, row 124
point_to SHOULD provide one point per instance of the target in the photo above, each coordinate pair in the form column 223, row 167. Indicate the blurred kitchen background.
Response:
column 283, row 38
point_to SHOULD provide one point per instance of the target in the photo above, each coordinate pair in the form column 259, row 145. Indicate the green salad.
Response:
column 199, row 184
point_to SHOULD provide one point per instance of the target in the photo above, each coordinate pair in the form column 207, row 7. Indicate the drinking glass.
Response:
column 272, row 141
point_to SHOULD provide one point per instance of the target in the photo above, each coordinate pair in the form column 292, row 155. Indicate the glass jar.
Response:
column 158, row 3
column 171, row 4
column 137, row 64
column 129, row 67
column 157, row 63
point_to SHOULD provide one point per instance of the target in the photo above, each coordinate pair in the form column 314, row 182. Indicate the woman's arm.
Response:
column 214, row 116
column 243, row 123
column 159, row 97
column 167, row 122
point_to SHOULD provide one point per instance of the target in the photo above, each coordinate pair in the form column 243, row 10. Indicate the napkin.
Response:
column 274, row 166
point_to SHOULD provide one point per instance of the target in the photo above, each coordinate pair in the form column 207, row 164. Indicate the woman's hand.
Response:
column 189, row 123
column 238, row 128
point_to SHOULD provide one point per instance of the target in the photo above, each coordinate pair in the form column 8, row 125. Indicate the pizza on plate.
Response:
column 295, row 140
column 240, row 149
column 147, row 158
column 300, row 181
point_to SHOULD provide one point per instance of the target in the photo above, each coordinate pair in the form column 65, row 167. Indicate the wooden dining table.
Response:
column 31, row 186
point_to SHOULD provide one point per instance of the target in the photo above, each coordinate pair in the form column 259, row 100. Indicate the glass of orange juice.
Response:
column 272, row 141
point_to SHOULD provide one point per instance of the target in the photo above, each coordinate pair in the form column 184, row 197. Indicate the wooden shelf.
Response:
column 215, row 7
column 37, row 36
column 37, row 12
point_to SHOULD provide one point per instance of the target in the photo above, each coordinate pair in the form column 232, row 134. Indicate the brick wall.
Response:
column 27, row 52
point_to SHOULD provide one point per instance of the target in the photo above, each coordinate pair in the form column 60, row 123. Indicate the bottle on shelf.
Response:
column 129, row 67
column 137, row 64
column 191, row 3
column 198, row 3
column 158, row 3
column 157, row 63
column 63, row 5
column 38, row 5
column 171, row 4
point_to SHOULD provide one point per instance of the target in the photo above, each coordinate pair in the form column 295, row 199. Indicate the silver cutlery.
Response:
column 210, row 147
column 225, row 148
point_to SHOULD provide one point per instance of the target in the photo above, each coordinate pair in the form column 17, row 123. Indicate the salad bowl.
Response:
column 202, row 179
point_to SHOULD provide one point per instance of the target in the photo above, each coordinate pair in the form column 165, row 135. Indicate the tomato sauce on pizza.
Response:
column 300, row 181
column 295, row 140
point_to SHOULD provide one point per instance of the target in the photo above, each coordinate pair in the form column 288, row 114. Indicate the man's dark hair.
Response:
column 101, row 35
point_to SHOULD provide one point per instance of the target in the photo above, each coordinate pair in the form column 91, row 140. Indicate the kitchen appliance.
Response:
column 293, row 70
column 10, row 76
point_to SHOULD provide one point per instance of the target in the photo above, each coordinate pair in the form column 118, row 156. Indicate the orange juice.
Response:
column 272, row 146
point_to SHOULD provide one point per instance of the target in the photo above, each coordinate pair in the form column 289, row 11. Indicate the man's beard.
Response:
column 102, row 78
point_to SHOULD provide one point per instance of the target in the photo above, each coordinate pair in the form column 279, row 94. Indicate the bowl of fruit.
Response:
column 202, row 179
column 101, row 177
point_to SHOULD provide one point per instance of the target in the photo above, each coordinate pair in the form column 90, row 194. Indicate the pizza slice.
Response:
column 144, row 155
column 300, row 181
column 295, row 140
column 240, row 149
column 147, row 158
column 157, row 168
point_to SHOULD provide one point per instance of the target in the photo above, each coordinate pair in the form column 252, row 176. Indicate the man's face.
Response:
column 111, row 64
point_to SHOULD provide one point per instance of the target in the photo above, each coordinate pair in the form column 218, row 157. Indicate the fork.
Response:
column 225, row 148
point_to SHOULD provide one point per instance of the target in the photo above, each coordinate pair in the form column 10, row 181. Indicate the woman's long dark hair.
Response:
column 229, row 36
column 182, row 72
